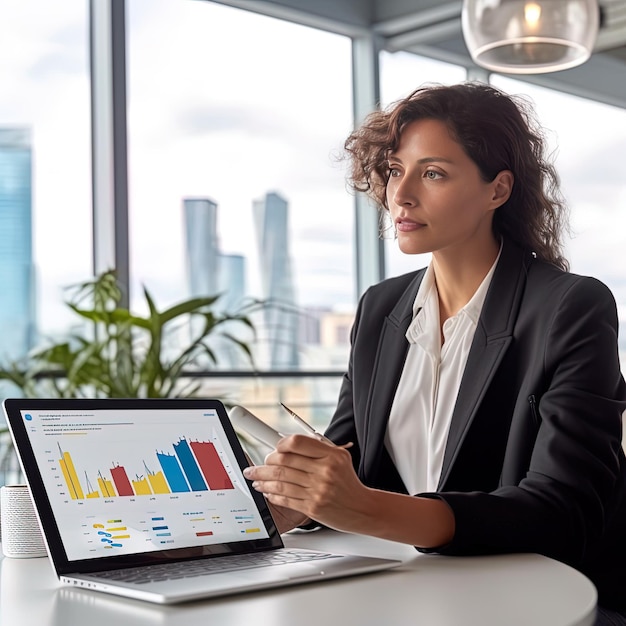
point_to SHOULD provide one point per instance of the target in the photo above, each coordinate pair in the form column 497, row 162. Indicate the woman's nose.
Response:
column 405, row 192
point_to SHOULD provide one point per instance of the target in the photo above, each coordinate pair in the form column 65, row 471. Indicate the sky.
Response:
column 229, row 105
column 244, row 105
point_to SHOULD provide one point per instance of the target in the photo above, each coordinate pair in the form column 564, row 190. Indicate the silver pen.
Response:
column 306, row 426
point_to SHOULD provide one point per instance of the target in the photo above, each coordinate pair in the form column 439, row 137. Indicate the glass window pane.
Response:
column 400, row 74
column 233, row 129
column 45, row 177
column 588, row 140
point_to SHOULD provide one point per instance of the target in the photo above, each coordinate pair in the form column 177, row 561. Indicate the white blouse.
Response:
column 422, row 408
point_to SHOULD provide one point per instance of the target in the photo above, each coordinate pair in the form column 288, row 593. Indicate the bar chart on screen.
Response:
column 90, row 458
column 191, row 466
column 121, row 482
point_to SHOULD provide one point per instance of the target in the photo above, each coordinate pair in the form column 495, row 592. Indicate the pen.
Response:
column 305, row 426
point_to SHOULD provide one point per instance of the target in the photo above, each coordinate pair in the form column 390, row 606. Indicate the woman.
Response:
column 481, row 410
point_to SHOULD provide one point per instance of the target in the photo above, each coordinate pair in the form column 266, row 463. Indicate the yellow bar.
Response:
column 158, row 483
column 93, row 494
column 116, row 530
column 72, row 471
column 106, row 486
column 253, row 530
column 142, row 488
column 120, row 537
column 71, row 478
column 67, row 479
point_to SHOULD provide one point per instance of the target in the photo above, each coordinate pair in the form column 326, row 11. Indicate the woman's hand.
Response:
column 314, row 478
column 286, row 519
column 317, row 479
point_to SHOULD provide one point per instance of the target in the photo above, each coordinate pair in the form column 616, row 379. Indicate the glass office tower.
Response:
column 17, row 275
column 232, row 287
column 202, row 246
column 231, row 281
column 280, row 317
column 209, row 272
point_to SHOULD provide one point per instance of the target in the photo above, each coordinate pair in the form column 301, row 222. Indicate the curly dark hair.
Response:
column 498, row 132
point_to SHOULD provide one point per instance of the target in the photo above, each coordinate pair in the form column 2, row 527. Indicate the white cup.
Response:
column 21, row 535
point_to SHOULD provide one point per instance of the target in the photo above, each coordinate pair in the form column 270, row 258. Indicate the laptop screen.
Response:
column 128, row 478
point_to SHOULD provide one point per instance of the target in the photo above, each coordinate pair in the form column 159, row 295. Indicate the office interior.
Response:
column 194, row 146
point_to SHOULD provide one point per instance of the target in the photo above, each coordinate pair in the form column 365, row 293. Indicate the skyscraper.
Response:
column 281, row 321
column 232, row 286
column 210, row 272
column 17, row 275
column 202, row 246
column 231, row 281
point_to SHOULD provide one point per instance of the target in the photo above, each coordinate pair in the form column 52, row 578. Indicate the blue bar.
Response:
column 159, row 528
column 190, row 467
column 173, row 473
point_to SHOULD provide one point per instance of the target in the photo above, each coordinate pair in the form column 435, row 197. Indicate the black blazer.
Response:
column 533, row 461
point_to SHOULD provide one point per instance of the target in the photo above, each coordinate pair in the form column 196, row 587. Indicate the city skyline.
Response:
column 282, row 325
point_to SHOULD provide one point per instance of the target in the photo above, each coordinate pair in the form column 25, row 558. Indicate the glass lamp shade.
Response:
column 530, row 36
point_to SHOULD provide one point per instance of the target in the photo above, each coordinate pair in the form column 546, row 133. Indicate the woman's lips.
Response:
column 407, row 226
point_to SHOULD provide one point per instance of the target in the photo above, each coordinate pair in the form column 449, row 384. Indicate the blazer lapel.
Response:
column 492, row 338
column 392, row 349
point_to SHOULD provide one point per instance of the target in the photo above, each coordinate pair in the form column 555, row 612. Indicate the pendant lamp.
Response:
column 530, row 36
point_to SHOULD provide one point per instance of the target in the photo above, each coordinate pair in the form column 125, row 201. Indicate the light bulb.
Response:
column 532, row 14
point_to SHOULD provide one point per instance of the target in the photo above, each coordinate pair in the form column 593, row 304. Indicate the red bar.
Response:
column 211, row 465
column 205, row 533
column 124, row 488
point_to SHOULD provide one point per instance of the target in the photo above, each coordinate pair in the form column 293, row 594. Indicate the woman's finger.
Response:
column 308, row 445
column 277, row 472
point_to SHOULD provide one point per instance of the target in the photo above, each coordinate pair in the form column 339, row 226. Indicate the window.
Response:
column 235, row 121
column 589, row 142
column 45, row 176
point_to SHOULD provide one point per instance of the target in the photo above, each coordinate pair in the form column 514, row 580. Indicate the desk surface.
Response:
column 510, row 590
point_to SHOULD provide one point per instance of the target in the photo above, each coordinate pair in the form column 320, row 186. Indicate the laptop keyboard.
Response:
column 230, row 563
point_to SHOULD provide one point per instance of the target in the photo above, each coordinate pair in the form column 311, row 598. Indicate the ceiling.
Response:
column 433, row 28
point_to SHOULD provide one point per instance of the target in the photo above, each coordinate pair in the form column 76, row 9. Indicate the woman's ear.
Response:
column 502, row 187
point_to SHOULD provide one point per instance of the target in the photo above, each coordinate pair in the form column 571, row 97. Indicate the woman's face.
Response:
column 436, row 196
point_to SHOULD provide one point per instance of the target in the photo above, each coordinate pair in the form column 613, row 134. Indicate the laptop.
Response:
column 145, row 498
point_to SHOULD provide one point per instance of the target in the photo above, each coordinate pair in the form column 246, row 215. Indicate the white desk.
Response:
column 510, row 590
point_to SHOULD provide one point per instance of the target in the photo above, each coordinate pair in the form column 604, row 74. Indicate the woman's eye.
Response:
column 393, row 172
column 433, row 175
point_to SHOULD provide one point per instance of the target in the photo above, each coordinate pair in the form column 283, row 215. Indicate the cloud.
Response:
column 58, row 57
column 595, row 170
column 210, row 118
column 330, row 234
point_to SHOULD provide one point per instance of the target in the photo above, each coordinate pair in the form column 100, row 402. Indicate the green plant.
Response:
column 117, row 353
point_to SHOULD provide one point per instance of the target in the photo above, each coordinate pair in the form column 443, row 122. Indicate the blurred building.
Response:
column 209, row 273
column 202, row 246
column 17, row 273
column 231, row 279
column 232, row 285
column 271, row 221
